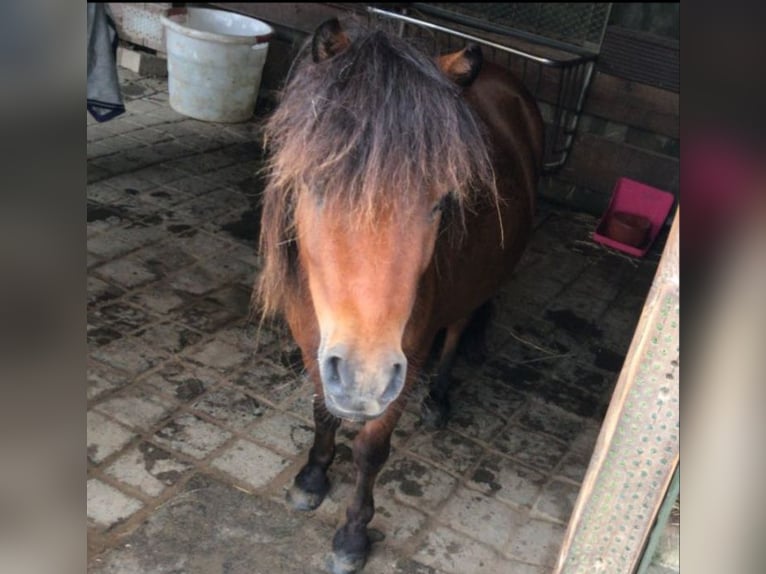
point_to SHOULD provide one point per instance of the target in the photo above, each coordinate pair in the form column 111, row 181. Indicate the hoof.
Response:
column 309, row 489
column 342, row 563
column 434, row 414
column 299, row 499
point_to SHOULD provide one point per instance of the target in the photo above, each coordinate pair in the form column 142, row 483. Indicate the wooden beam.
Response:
column 597, row 163
column 633, row 104
column 617, row 100
column 302, row 16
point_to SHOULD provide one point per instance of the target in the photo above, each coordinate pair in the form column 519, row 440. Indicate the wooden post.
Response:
column 637, row 450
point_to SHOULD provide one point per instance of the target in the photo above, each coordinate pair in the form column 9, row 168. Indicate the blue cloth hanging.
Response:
column 104, row 95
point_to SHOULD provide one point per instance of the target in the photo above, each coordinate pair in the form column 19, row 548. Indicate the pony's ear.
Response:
column 329, row 40
column 462, row 66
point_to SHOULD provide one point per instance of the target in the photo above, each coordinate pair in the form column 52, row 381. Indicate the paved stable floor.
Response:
column 196, row 428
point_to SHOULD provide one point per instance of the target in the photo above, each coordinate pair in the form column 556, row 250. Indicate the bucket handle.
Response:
column 261, row 40
column 178, row 11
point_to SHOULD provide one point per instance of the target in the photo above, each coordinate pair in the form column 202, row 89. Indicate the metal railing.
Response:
column 559, row 82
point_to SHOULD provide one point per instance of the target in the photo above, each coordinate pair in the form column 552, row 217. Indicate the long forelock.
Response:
column 372, row 127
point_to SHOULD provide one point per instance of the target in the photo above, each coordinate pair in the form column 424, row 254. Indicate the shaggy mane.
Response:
column 371, row 127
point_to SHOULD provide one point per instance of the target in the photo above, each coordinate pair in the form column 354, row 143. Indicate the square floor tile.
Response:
column 136, row 408
column 536, row 542
column 273, row 383
column 481, row 516
column 101, row 292
column 446, row 449
column 159, row 298
column 182, row 380
column 106, row 506
column 250, row 463
column 535, row 450
column 283, row 434
column 130, row 355
column 148, row 468
column 103, row 379
column 557, row 501
column 451, row 552
column 474, row 421
column 399, row 523
column 507, row 480
column 121, row 317
column 127, row 272
column 415, row 483
column 169, row 338
column 232, row 408
column 541, row 417
column 218, row 355
column 191, row 435
column 105, row 437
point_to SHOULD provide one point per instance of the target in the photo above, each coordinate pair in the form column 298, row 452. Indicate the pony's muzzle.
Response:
column 356, row 389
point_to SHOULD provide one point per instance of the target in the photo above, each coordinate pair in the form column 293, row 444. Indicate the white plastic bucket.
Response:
column 215, row 62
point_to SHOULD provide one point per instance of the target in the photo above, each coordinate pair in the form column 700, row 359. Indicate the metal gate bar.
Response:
column 572, row 73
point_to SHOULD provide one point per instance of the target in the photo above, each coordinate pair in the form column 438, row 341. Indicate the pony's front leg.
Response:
column 372, row 445
column 311, row 483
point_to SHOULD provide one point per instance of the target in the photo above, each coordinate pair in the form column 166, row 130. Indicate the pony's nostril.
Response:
column 334, row 369
column 394, row 384
column 332, row 372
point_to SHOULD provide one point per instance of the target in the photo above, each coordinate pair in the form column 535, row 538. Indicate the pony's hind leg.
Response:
column 436, row 406
column 311, row 483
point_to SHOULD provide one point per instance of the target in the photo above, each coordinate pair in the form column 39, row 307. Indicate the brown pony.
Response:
column 399, row 197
